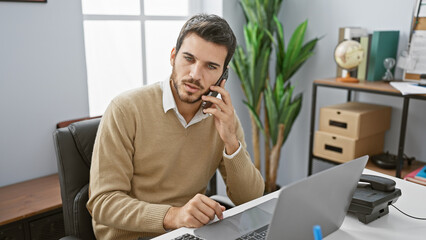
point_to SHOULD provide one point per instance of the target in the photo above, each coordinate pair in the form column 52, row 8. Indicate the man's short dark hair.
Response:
column 211, row 28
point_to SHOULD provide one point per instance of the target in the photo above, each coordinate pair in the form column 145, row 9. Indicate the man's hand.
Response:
column 196, row 213
column 224, row 117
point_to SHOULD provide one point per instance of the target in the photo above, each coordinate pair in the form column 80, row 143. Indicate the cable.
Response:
column 418, row 218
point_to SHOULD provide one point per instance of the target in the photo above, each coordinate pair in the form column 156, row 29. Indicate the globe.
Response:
column 348, row 55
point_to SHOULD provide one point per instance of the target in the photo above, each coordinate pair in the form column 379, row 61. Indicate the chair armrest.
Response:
column 70, row 238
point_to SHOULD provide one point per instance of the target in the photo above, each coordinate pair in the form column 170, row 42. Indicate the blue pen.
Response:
column 419, row 85
column 317, row 232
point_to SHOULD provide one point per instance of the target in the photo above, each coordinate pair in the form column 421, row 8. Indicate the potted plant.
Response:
column 264, row 33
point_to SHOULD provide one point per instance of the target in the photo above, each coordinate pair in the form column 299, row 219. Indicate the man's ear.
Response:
column 173, row 56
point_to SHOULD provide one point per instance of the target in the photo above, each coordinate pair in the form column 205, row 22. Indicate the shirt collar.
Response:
column 169, row 103
column 168, row 100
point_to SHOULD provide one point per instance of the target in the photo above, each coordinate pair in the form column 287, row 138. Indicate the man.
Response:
column 156, row 148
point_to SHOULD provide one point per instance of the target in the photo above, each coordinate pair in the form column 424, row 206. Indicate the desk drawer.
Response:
column 13, row 231
column 49, row 227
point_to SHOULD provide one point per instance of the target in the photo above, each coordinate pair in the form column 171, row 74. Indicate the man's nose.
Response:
column 196, row 71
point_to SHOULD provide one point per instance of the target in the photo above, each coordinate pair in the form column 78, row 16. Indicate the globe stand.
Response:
column 347, row 79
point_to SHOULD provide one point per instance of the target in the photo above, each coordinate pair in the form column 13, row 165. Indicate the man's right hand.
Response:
column 196, row 213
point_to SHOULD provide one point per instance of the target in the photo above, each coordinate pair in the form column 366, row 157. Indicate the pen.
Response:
column 420, row 85
column 317, row 232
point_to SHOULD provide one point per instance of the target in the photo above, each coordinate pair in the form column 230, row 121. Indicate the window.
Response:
column 128, row 43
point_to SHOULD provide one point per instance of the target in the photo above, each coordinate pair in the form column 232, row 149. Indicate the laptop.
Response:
column 321, row 199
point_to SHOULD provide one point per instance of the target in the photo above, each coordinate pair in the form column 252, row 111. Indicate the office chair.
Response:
column 74, row 147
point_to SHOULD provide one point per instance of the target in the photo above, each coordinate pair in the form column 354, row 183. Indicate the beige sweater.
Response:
column 144, row 161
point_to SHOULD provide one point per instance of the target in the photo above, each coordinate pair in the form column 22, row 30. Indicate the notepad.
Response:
column 421, row 174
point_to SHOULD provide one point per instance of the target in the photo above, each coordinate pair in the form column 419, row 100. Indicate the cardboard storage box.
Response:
column 342, row 149
column 354, row 119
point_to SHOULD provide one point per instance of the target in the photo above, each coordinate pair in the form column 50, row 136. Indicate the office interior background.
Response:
column 43, row 76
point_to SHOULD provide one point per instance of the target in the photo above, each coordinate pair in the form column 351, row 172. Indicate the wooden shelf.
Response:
column 380, row 87
column 365, row 85
column 391, row 172
column 29, row 198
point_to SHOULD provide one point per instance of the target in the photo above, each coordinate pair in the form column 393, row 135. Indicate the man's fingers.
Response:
column 216, row 101
column 214, row 206
column 207, row 210
column 225, row 94
column 199, row 211
column 215, row 111
column 222, row 84
column 201, row 217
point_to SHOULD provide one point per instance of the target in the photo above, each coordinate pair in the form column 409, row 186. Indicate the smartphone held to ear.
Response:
column 205, row 104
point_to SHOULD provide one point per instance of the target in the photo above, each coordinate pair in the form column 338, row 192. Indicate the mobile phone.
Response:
column 205, row 104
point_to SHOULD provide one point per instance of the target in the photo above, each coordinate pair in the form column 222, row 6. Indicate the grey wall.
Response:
column 42, row 82
column 43, row 77
column 325, row 17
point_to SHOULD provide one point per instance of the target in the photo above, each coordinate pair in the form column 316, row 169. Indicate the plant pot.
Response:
column 277, row 187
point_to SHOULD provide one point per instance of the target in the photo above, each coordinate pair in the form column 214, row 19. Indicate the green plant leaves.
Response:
column 290, row 60
column 252, row 65
column 255, row 116
column 261, row 12
column 281, row 108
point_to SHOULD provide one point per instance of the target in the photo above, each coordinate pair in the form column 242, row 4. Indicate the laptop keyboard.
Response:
column 188, row 236
column 259, row 233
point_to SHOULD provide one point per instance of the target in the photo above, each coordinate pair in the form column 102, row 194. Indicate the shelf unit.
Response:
column 377, row 87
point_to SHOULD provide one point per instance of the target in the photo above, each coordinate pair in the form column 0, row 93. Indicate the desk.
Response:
column 394, row 225
column 378, row 87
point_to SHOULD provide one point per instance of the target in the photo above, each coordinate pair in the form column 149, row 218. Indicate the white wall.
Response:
column 42, row 82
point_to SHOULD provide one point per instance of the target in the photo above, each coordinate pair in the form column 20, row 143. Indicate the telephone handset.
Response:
column 378, row 183
column 371, row 201
column 205, row 104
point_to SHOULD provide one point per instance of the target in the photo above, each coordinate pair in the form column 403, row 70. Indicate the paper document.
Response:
column 418, row 52
column 408, row 88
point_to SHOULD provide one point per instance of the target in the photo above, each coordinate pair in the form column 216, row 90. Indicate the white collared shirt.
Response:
column 169, row 103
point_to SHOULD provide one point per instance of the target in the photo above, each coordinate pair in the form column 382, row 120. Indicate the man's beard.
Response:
column 181, row 95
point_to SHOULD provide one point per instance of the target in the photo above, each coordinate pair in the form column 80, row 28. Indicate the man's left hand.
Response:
column 224, row 117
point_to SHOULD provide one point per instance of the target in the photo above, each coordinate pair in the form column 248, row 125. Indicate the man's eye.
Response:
column 188, row 58
column 212, row 67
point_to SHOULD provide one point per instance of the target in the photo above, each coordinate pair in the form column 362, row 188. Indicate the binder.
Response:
column 384, row 44
column 362, row 68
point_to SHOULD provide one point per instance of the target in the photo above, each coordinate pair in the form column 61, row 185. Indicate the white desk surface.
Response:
column 394, row 225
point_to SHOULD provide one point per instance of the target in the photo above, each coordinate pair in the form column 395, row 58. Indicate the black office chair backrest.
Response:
column 74, row 147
